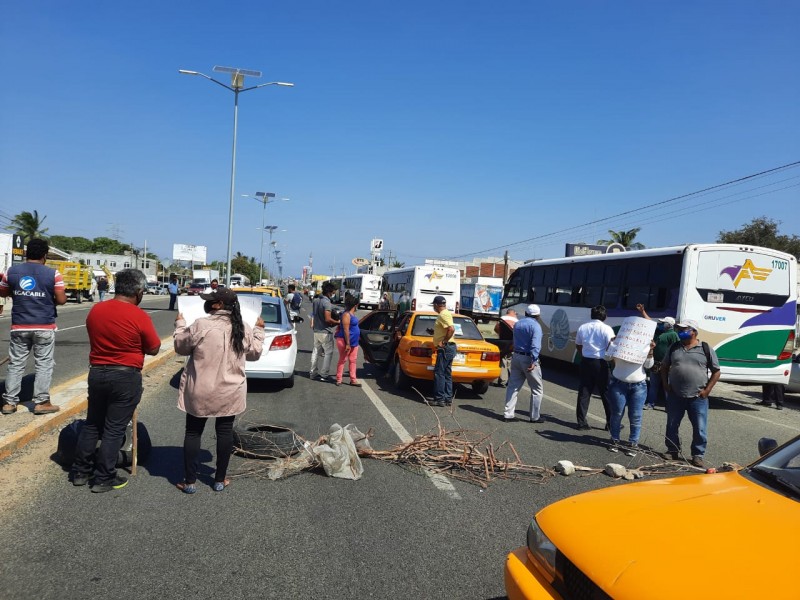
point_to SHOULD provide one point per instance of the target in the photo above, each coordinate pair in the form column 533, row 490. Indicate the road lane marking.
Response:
column 439, row 481
column 84, row 325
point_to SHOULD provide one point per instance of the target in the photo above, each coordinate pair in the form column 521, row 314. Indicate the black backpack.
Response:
column 296, row 301
column 706, row 351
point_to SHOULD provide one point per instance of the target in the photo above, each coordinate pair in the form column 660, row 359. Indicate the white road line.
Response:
column 440, row 481
column 84, row 325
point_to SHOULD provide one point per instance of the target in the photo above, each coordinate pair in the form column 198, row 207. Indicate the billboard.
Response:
column 189, row 252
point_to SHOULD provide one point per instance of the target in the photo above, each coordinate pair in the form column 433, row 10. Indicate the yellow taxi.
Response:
column 266, row 290
column 403, row 342
column 721, row 535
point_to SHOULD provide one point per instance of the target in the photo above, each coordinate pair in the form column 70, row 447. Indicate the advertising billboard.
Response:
column 189, row 252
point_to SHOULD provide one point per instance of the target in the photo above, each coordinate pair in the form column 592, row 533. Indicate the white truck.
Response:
column 204, row 276
column 481, row 296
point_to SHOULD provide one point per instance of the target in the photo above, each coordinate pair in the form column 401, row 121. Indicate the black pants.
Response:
column 113, row 397
column 172, row 299
column 191, row 445
column 593, row 374
column 772, row 393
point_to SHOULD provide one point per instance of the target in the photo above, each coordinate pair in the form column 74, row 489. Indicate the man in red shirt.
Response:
column 120, row 334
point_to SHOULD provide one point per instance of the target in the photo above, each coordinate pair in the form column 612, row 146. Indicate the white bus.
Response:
column 743, row 297
column 239, row 280
column 365, row 287
column 414, row 288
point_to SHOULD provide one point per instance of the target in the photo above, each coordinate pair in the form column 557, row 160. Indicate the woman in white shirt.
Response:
column 628, row 388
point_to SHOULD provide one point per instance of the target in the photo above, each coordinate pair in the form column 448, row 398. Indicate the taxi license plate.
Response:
column 460, row 359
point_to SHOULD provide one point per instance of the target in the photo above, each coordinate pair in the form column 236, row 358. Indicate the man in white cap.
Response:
column 685, row 377
column 525, row 365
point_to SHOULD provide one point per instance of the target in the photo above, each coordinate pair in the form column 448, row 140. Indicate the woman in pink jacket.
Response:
column 213, row 383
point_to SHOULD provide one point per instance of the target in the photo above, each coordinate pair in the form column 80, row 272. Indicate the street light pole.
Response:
column 237, row 87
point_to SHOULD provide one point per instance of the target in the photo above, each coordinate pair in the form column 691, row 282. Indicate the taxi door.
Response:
column 377, row 336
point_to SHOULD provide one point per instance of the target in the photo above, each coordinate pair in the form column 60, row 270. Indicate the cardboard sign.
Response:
column 191, row 307
column 633, row 340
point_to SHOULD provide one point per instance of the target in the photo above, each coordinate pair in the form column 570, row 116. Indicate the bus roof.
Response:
column 656, row 252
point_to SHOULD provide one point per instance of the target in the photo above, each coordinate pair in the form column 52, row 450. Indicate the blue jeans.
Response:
column 113, row 397
column 654, row 389
column 632, row 396
column 19, row 349
column 697, row 408
column 443, row 373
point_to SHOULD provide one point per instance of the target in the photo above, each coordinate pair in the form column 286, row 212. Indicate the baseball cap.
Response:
column 690, row 323
column 221, row 294
column 439, row 300
column 668, row 321
column 533, row 310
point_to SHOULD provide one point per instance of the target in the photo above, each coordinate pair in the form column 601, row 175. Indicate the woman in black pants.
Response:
column 213, row 383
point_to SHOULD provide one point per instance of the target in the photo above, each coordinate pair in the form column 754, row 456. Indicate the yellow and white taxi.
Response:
column 721, row 535
column 403, row 342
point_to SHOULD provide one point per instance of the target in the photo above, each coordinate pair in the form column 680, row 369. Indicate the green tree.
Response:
column 397, row 264
column 108, row 246
column 623, row 237
column 71, row 244
column 29, row 225
column 244, row 265
column 762, row 231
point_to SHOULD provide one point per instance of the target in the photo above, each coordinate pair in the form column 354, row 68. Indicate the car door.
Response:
column 377, row 335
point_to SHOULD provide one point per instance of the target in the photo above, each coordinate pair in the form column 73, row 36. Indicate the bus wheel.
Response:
column 480, row 387
column 401, row 380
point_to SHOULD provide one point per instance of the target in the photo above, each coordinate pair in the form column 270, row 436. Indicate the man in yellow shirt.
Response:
column 443, row 331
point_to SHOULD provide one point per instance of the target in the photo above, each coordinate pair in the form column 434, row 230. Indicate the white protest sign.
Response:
column 633, row 340
column 191, row 307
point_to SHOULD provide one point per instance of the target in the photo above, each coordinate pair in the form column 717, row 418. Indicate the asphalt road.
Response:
column 392, row 534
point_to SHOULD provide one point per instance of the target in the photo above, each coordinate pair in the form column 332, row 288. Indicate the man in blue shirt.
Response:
column 525, row 365
column 173, row 291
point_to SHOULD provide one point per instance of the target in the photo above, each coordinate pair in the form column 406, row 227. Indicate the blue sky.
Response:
column 445, row 128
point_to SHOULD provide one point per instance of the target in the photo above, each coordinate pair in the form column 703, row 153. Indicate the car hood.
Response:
column 703, row 536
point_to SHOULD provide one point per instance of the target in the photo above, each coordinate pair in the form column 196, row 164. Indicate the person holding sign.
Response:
column 213, row 383
column 632, row 352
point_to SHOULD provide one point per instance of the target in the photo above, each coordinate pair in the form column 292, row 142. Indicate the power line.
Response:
column 675, row 199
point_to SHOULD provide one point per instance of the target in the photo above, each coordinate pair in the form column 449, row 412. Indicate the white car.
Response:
column 793, row 387
column 280, row 344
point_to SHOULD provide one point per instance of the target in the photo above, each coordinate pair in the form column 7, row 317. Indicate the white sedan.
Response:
column 280, row 344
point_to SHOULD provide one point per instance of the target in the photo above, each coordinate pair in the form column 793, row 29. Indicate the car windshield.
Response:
column 781, row 469
column 465, row 328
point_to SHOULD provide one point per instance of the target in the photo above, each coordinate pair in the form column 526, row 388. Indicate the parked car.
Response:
column 159, row 289
column 403, row 343
column 793, row 387
column 721, row 535
column 196, row 288
column 280, row 343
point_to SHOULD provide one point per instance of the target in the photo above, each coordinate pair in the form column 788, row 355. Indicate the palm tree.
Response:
column 625, row 238
column 28, row 225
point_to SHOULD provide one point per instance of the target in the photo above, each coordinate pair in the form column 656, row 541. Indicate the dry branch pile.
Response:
column 464, row 455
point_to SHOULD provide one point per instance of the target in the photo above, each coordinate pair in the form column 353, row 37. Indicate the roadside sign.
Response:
column 17, row 248
column 360, row 262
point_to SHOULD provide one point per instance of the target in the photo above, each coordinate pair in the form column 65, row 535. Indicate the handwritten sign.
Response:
column 191, row 307
column 633, row 340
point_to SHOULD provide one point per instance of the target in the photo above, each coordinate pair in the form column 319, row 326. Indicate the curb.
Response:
column 71, row 397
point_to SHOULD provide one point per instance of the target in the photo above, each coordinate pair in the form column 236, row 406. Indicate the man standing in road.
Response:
column 525, row 365
column 443, row 332
column 323, row 325
column 120, row 334
column 102, row 288
column 505, row 333
column 36, row 291
column 591, row 341
column 665, row 337
column 173, row 291
column 293, row 299
column 685, row 377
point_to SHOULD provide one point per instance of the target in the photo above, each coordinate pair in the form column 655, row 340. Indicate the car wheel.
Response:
column 401, row 380
column 289, row 382
column 264, row 441
column 480, row 386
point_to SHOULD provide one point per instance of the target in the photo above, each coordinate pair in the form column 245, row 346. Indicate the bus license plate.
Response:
column 712, row 297
column 460, row 359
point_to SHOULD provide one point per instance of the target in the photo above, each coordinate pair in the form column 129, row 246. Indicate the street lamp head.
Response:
column 185, row 72
column 284, row 84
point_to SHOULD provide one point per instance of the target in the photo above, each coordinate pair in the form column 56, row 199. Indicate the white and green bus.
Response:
column 364, row 286
column 743, row 297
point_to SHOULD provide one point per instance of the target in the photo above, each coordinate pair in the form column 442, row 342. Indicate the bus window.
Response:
column 549, row 282
column 563, row 289
column 664, row 279
column 577, row 280
column 513, row 293
column 612, row 281
column 594, row 285
column 636, row 289
column 538, row 290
